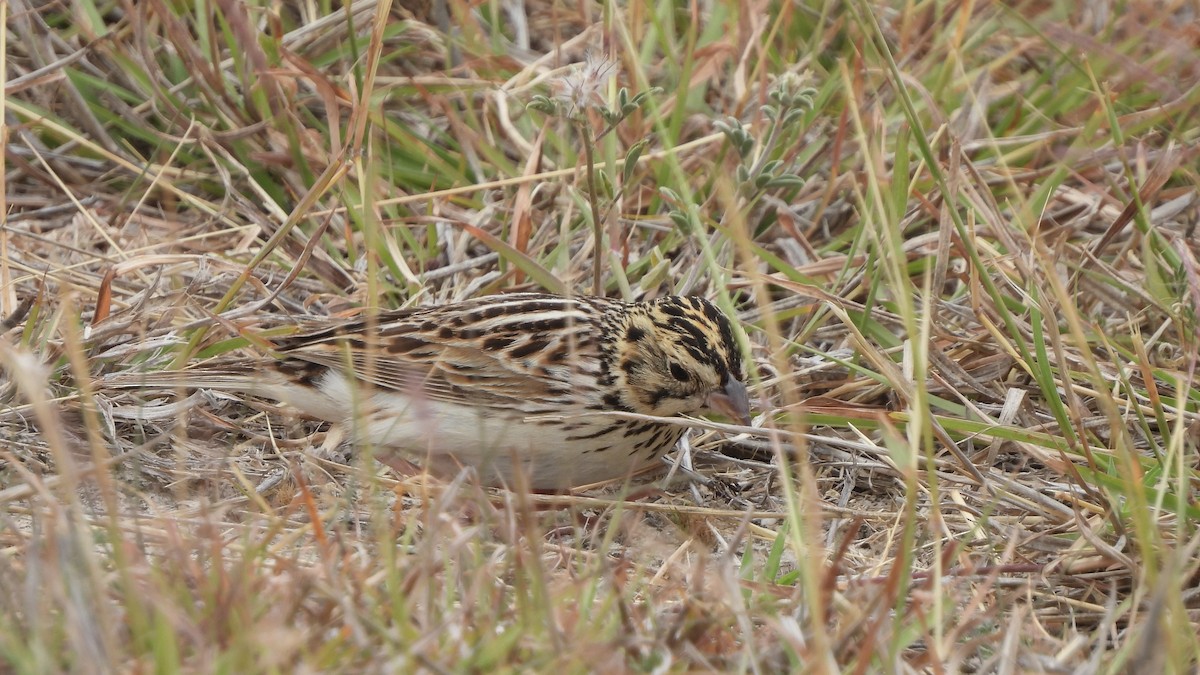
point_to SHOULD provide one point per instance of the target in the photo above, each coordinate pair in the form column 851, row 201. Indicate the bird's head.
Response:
column 679, row 355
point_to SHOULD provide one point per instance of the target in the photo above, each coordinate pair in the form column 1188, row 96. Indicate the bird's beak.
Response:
column 731, row 400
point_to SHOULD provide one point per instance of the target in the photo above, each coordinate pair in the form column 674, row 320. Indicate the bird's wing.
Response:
column 518, row 352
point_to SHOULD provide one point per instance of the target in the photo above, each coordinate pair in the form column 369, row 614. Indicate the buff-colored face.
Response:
column 679, row 355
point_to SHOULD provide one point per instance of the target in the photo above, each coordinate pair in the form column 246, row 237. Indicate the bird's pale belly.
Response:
column 512, row 449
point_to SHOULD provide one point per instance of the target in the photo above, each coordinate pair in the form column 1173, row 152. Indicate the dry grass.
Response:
column 974, row 324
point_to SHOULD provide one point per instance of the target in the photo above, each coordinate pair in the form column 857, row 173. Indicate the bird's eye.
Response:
column 679, row 372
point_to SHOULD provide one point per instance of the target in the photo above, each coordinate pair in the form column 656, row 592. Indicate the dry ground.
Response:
column 961, row 238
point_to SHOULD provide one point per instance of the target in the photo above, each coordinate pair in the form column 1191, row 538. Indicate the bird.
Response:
column 521, row 387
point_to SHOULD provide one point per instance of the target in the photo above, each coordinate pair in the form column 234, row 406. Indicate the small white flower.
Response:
column 584, row 86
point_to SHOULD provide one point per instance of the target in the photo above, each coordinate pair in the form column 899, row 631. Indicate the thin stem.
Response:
column 593, row 198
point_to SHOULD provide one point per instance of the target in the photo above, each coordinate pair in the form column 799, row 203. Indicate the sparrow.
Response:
column 521, row 387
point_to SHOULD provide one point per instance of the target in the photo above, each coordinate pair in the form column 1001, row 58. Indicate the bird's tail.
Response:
column 256, row 381
column 245, row 380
